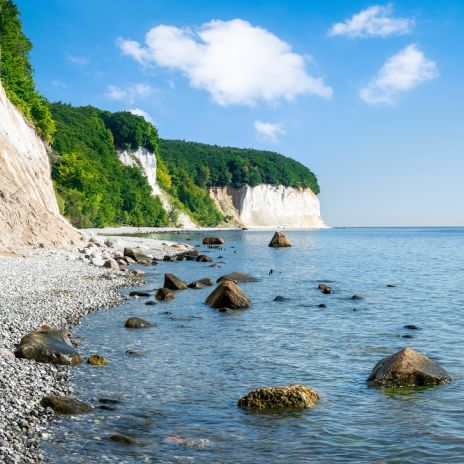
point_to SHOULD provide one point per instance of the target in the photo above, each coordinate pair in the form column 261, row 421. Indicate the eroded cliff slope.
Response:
column 29, row 212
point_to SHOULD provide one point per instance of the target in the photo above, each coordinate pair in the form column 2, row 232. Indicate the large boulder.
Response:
column 213, row 241
column 64, row 406
column 137, row 254
column 238, row 277
column 48, row 345
column 286, row 397
column 200, row 283
column 164, row 294
column 280, row 240
column 174, row 283
column 228, row 295
column 407, row 368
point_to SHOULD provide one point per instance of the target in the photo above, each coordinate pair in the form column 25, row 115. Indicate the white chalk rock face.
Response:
column 270, row 206
column 29, row 212
column 145, row 160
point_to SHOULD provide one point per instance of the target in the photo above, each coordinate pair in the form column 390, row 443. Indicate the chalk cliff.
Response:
column 146, row 161
column 269, row 206
column 29, row 213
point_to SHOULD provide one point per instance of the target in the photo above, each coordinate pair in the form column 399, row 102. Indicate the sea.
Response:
column 178, row 401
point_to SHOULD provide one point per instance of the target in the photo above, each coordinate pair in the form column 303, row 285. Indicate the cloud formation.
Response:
column 375, row 21
column 144, row 114
column 129, row 94
column 79, row 60
column 235, row 62
column 268, row 131
column 401, row 72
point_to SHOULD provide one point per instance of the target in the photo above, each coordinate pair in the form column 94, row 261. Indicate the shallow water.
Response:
column 199, row 361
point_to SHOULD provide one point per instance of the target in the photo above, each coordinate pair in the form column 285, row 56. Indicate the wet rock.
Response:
column 137, row 254
column 322, row 305
column 137, row 323
column 150, row 303
column 325, row 289
column 136, row 353
column 139, row 293
column 237, row 277
column 48, row 345
column 173, row 283
column 228, row 295
column 407, row 368
column 109, row 401
column 164, row 294
column 280, row 298
column 356, row 298
column 97, row 360
column 407, row 336
column 213, row 241
column 65, row 406
column 200, row 283
column 280, row 240
column 215, row 266
column 169, row 258
column 106, row 407
column 123, row 439
column 285, row 397
column 203, row 259
column 391, row 286
column 411, row 327
column 187, row 442
column 137, row 272
column 111, row 264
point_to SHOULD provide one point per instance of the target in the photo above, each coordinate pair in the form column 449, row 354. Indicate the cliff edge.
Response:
column 29, row 214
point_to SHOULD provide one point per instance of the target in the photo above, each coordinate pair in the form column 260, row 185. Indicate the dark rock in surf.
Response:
column 97, row 360
column 238, row 277
column 213, row 241
column 173, row 283
column 65, row 406
column 164, row 294
column 411, row 327
column 139, row 293
column 228, row 295
column 203, row 259
column 325, row 289
column 200, row 283
column 280, row 240
column 137, row 323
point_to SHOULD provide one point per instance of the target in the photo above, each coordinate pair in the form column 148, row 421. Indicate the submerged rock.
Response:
column 173, row 283
column 150, row 303
column 325, row 289
column 65, row 406
column 123, row 439
column 164, row 294
column 356, row 298
column 237, row 277
column 228, row 295
column 407, row 368
column 137, row 323
column 187, row 442
column 411, row 327
column 137, row 254
column 136, row 353
column 280, row 298
column 286, row 397
column 280, row 240
column 322, row 305
column 200, row 283
column 97, row 360
column 139, row 293
column 48, row 345
column 203, row 259
column 213, row 241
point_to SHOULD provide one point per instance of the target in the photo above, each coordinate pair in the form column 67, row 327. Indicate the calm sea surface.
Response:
column 200, row 361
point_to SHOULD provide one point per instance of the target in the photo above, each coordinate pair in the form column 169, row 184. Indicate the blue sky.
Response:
column 368, row 95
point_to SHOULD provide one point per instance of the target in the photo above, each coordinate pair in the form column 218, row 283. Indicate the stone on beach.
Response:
column 111, row 264
column 65, row 406
column 48, row 345
column 164, row 294
column 213, row 241
column 173, row 283
column 237, row 277
column 407, row 368
column 97, row 360
column 137, row 254
column 137, row 323
column 279, row 240
column 228, row 295
column 286, row 397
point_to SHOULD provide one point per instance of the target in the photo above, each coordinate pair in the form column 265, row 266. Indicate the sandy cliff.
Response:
column 269, row 206
column 28, row 210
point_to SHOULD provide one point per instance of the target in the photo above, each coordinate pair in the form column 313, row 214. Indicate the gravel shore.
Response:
column 49, row 288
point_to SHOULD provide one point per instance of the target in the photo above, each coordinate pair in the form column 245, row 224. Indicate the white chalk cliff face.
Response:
column 29, row 213
column 146, row 161
column 270, row 206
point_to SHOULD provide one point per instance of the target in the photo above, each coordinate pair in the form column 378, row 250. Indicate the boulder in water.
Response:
column 48, row 345
column 407, row 368
column 97, row 360
column 280, row 240
column 286, row 397
column 213, row 241
column 201, row 283
column 65, row 406
column 203, row 259
column 174, row 283
column 228, row 295
column 164, row 294
column 325, row 289
column 139, row 293
column 238, row 277
column 137, row 323
column 123, row 439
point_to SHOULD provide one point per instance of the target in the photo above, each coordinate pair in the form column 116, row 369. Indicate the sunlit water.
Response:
column 200, row 361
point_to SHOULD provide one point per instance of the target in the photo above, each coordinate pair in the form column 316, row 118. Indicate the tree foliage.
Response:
column 97, row 190
column 16, row 71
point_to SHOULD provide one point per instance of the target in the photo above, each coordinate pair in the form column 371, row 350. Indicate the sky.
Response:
column 367, row 95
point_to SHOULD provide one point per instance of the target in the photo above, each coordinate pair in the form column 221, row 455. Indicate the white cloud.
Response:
column 79, row 60
column 144, row 114
column 375, row 21
column 268, row 131
column 400, row 73
column 130, row 94
column 234, row 61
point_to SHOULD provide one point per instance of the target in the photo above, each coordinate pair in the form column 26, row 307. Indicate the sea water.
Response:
column 179, row 401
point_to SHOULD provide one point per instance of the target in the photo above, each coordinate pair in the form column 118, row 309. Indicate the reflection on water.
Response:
column 179, row 399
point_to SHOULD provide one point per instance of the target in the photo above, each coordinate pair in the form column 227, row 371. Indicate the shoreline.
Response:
column 54, row 287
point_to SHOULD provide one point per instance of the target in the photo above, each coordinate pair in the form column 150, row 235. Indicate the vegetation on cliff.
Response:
column 16, row 71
